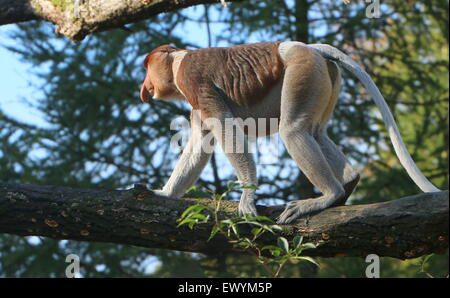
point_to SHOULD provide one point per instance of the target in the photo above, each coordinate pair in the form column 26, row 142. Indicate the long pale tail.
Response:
column 348, row 63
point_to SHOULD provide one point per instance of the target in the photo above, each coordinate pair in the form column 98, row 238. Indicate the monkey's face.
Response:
column 159, row 81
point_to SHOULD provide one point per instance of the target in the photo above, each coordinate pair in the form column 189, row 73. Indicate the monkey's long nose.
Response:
column 144, row 94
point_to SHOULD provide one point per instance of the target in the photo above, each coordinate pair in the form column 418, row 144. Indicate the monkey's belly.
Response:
column 265, row 114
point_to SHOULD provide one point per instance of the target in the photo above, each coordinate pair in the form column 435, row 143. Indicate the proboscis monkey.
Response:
column 294, row 82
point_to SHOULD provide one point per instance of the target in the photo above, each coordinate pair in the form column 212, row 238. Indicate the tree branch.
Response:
column 78, row 18
column 403, row 228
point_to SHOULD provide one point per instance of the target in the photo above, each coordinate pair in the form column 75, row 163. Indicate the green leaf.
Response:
column 297, row 241
column 276, row 253
column 236, row 219
column 276, row 228
column 426, row 258
column 192, row 209
column 199, row 216
column 244, row 244
column 192, row 188
column 226, row 221
column 424, row 261
column 186, row 221
column 284, row 244
column 217, row 197
column 235, row 230
column 309, row 245
column 270, row 247
column 308, row 259
column 274, row 250
column 261, row 218
column 256, row 231
column 214, row 231
column 249, row 186
column 232, row 185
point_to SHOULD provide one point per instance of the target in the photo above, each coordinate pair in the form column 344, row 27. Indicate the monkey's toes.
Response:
column 291, row 213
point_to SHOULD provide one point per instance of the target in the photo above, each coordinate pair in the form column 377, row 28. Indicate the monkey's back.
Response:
column 242, row 73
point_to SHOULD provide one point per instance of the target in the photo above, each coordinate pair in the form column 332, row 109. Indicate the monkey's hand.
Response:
column 161, row 193
column 247, row 206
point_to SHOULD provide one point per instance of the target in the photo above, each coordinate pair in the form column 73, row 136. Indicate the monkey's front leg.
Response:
column 192, row 161
column 245, row 168
column 236, row 147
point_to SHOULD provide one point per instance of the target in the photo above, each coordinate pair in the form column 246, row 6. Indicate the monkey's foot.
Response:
column 290, row 213
column 349, row 188
column 247, row 207
column 299, row 208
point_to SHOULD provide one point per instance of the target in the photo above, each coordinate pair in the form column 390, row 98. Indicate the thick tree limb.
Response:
column 78, row 18
column 403, row 228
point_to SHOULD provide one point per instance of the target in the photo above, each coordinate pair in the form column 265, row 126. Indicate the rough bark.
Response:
column 402, row 228
column 78, row 18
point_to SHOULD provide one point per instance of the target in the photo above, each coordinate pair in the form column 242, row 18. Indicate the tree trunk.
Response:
column 78, row 18
column 404, row 228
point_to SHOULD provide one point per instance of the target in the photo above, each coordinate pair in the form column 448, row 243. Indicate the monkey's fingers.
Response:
column 247, row 207
column 159, row 192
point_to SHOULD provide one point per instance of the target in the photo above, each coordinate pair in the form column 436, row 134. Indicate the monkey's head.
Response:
column 159, row 81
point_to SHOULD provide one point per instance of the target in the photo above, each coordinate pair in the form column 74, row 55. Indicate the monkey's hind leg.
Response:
column 342, row 169
column 306, row 152
column 305, row 98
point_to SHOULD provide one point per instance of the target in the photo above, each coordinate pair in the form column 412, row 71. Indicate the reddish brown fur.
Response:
column 243, row 73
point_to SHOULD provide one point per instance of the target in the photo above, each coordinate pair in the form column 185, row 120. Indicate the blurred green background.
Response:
column 81, row 123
